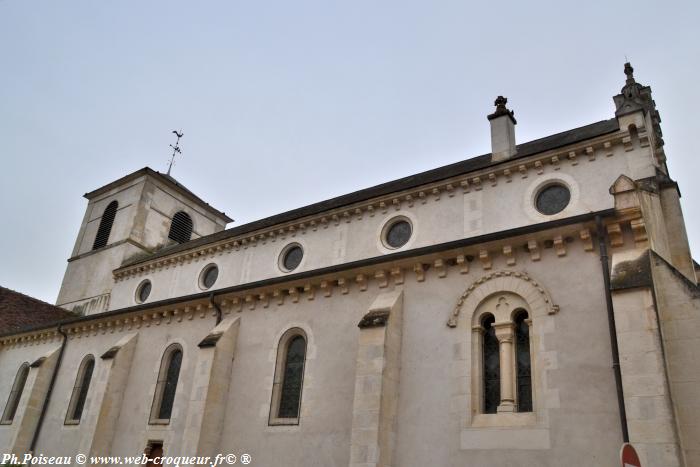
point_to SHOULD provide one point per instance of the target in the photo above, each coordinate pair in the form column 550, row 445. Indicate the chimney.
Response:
column 502, row 131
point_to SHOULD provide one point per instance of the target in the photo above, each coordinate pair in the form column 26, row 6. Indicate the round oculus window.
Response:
column 143, row 291
column 552, row 199
column 291, row 257
column 209, row 276
column 398, row 233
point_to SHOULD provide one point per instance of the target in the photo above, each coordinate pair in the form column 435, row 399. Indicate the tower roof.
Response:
column 166, row 179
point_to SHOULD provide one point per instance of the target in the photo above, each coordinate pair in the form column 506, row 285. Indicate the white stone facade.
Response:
column 405, row 386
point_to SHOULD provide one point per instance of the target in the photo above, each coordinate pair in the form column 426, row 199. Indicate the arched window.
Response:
column 522, row 361
column 181, row 227
column 167, row 384
column 105, row 227
column 15, row 394
column 289, row 378
column 80, row 390
column 491, row 365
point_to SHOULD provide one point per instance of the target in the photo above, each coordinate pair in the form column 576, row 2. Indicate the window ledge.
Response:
column 71, row 422
column 504, row 420
column 505, row 431
column 159, row 421
column 283, row 421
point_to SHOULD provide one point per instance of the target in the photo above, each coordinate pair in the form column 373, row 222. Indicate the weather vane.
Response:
column 176, row 149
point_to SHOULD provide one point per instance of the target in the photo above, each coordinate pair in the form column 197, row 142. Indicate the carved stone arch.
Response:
column 517, row 282
column 502, row 305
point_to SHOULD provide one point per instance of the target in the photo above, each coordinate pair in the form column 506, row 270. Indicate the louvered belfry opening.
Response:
column 105, row 227
column 181, row 227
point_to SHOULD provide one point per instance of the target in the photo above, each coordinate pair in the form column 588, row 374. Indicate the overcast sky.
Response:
column 284, row 103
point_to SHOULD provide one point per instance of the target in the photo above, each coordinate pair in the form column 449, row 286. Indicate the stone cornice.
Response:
column 477, row 258
column 108, row 246
column 589, row 151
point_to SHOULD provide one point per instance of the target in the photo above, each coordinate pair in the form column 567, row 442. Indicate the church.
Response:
column 534, row 306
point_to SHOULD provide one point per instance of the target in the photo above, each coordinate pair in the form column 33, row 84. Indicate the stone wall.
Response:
column 678, row 302
column 428, row 375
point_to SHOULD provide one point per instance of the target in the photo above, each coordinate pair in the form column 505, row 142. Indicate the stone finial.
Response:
column 633, row 96
column 501, row 109
column 629, row 72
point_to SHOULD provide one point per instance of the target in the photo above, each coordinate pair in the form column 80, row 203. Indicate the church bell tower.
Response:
column 135, row 216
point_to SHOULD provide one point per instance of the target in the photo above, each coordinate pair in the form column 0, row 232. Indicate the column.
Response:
column 504, row 334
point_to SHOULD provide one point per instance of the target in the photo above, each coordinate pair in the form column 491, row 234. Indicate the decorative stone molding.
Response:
column 585, row 235
column 420, row 272
column 485, row 259
column 615, row 235
column 440, row 267
column 463, row 264
column 508, row 253
column 638, row 226
column 505, row 280
column 559, row 246
column 534, row 250
column 397, row 274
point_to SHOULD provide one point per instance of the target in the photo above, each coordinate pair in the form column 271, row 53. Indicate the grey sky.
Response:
column 287, row 103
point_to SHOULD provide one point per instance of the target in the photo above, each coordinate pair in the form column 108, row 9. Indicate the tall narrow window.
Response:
column 289, row 378
column 168, row 376
column 492, row 366
column 80, row 390
column 105, row 227
column 523, row 362
column 15, row 394
column 181, row 227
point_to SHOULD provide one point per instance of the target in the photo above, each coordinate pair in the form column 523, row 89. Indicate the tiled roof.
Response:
column 18, row 311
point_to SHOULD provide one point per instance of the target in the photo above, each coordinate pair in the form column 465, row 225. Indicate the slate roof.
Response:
column 19, row 311
column 458, row 168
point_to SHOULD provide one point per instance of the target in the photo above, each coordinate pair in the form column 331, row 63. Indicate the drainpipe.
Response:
column 603, row 249
column 45, row 404
column 216, row 307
